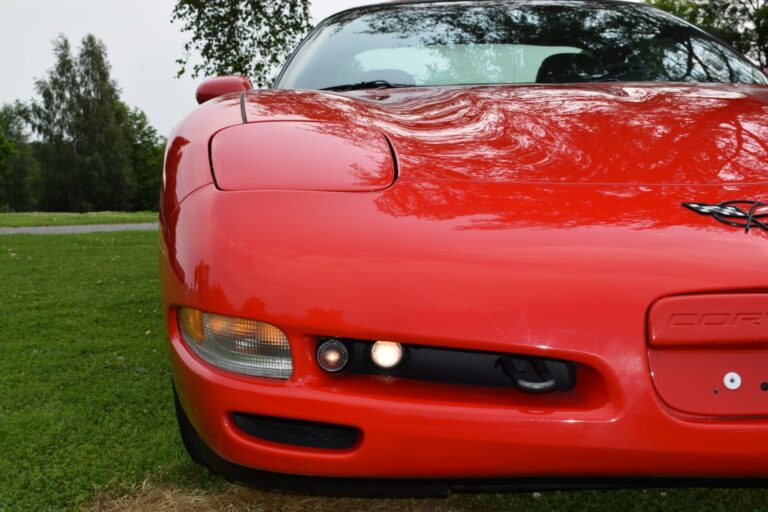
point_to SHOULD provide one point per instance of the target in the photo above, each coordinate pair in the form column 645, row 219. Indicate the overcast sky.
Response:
column 142, row 44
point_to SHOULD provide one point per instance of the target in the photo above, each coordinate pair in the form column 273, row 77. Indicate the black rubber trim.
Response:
column 192, row 442
column 242, row 108
column 308, row 434
column 400, row 487
column 395, row 163
column 210, row 160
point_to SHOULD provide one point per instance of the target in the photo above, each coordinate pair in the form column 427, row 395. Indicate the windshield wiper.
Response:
column 371, row 84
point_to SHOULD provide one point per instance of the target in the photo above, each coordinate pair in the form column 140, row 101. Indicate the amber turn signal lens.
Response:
column 239, row 345
column 192, row 323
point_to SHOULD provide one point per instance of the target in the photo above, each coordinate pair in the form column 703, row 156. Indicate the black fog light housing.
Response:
column 332, row 356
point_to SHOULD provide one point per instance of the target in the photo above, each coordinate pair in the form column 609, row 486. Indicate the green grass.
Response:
column 86, row 406
column 84, row 381
column 12, row 220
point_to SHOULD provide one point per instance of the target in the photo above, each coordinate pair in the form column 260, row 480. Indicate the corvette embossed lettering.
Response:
column 717, row 319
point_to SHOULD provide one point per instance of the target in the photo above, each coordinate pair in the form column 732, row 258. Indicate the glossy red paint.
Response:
column 542, row 220
column 709, row 320
column 696, row 342
column 342, row 157
column 693, row 381
column 217, row 86
column 642, row 134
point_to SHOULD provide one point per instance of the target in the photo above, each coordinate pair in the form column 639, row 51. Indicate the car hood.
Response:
column 583, row 183
column 637, row 134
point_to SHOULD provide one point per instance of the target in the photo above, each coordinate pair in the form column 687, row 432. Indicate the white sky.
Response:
column 141, row 42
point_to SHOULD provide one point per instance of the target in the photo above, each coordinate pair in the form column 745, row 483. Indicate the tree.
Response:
column 18, row 167
column 95, row 152
column 741, row 23
column 51, row 118
column 7, row 151
column 147, row 152
column 101, row 142
column 84, row 148
column 241, row 37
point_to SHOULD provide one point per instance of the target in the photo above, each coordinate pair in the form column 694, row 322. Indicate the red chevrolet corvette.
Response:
column 475, row 242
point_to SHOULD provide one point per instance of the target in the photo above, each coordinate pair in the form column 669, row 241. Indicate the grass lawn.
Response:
column 13, row 220
column 86, row 416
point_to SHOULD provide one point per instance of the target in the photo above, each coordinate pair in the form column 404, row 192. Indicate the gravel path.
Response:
column 89, row 228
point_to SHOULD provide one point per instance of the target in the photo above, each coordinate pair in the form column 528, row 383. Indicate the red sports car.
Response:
column 475, row 242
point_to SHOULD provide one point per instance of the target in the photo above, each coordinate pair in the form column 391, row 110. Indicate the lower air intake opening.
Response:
column 307, row 434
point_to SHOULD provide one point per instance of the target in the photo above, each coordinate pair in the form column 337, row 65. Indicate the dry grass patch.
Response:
column 236, row 498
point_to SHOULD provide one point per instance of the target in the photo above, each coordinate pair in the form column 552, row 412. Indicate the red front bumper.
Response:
column 422, row 430
column 535, row 290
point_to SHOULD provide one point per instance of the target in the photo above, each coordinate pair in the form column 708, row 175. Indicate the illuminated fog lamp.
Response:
column 386, row 354
column 332, row 356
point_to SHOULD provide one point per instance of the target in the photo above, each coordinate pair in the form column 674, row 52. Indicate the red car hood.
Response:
column 641, row 134
column 562, row 156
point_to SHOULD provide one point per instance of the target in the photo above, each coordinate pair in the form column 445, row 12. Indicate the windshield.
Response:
column 509, row 42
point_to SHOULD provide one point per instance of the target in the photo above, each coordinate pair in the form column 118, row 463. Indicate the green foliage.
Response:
column 101, row 144
column 85, row 154
column 19, row 172
column 94, row 152
column 7, row 152
column 147, row 153
column 741, row 23
column 241, row 37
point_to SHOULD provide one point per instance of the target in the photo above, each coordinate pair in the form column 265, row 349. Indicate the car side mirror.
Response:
column 220, row 85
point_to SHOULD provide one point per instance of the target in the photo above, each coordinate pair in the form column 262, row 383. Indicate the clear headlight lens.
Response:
column 237, row 344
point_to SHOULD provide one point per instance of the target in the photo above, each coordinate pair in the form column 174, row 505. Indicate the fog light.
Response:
column 332, row 356
column 386, row 354
column 238, row 345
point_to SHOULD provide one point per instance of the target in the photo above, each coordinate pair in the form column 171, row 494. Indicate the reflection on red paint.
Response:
column 542, row 220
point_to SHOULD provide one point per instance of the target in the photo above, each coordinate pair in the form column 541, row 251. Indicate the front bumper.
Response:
column 423, row 430
column 588, row 311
